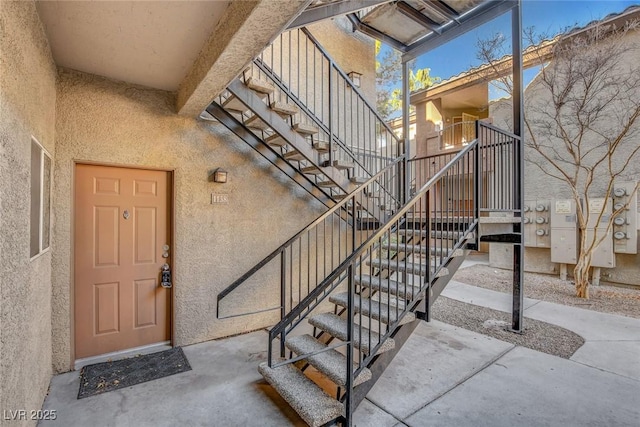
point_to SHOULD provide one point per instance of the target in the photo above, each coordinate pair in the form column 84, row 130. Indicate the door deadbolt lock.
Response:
column 165, row 281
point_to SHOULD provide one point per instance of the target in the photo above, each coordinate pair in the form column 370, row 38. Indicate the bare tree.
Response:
column 581, row 118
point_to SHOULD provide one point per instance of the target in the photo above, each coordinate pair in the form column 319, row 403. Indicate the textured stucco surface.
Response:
column 114, row 123
column 351, row 51
column 243, row 32
column 27, row 107
column 627, row 270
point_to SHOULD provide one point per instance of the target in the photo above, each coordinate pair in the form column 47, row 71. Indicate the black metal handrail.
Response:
column 277, row 329
column 349, row 204
column 496, row 156
column 349, row 82
column 428, row 210
column 309, row 115
column 348, row 122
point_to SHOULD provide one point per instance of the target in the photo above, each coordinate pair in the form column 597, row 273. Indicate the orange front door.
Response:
column 121, row 244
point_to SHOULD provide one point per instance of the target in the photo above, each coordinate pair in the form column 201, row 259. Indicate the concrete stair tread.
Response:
column 340, row 164
column 294, row 155
column 337, row 327
column 255, row 122
column 402, row 266
column 388, row 286
column 403, row 247
column 312, row 170
column 326, row 184
column 276, row 140
column 322, row 147
column 330, row 363
column 449, row 235
column 284, row 109
column 305, row 129
column 412, row 232
column 313, row 405
column 359, row 179
column 373, row 309
column 234, row 104
column 260, row 86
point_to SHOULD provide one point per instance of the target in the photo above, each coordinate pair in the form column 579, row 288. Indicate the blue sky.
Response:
column 548, row 16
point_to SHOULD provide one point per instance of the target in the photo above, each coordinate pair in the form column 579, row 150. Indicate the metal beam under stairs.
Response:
column 269, row 127
column 300, row 147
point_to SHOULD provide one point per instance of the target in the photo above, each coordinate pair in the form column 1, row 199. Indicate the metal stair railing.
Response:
column 310, row 255
column 456, row 135
column 497, row 163
column 425, row 213
column 310, row 77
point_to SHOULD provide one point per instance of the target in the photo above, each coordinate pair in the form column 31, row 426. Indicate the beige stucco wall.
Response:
column 351, row 51
column 114, row 123
column 27, row 108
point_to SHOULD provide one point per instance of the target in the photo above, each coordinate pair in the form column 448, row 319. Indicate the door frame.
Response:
column 171, row 173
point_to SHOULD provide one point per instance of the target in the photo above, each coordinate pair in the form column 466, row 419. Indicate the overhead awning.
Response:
column 412, row 26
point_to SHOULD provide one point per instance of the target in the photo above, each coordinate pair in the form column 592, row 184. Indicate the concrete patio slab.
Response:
column 591, row 325
column 483, row 297
column 612, row 342
column 527, row 388
column 443, row 376
column 223, row 389
column 369, row 415
column 434, row 360
column 619, row 357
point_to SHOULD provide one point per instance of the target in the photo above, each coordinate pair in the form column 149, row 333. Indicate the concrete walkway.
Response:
column 612, row 343
column 443, row 376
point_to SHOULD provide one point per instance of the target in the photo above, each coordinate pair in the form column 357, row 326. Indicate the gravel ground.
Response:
column 606, row 299
column 537, row 335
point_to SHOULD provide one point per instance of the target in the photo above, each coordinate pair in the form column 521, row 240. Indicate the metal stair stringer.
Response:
column 260, row 109
column 423, row 313
column 268, row 153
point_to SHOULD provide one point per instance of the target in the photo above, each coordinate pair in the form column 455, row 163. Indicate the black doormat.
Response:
column 103, row 377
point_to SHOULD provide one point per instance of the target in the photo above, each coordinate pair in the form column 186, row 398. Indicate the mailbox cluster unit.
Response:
column 553, row 224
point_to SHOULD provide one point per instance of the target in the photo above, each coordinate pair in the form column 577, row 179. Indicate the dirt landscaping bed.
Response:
column 605, row 299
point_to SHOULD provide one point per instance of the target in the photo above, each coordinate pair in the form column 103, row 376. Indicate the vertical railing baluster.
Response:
column 476, row 181
column 350, row 324
column 283, row 310
column 331, row 127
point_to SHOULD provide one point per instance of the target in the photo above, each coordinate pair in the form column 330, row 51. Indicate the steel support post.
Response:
column 518, row 188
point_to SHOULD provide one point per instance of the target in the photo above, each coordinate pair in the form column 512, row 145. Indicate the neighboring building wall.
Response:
column 432, row 118
column 114, row 123
column 427, row 115
column 627, row 268
column 27, row 108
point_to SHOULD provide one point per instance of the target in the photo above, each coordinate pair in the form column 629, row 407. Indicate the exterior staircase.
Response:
column 356, row 281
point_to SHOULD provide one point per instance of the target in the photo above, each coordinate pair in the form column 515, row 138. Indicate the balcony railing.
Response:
column 457, row 135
